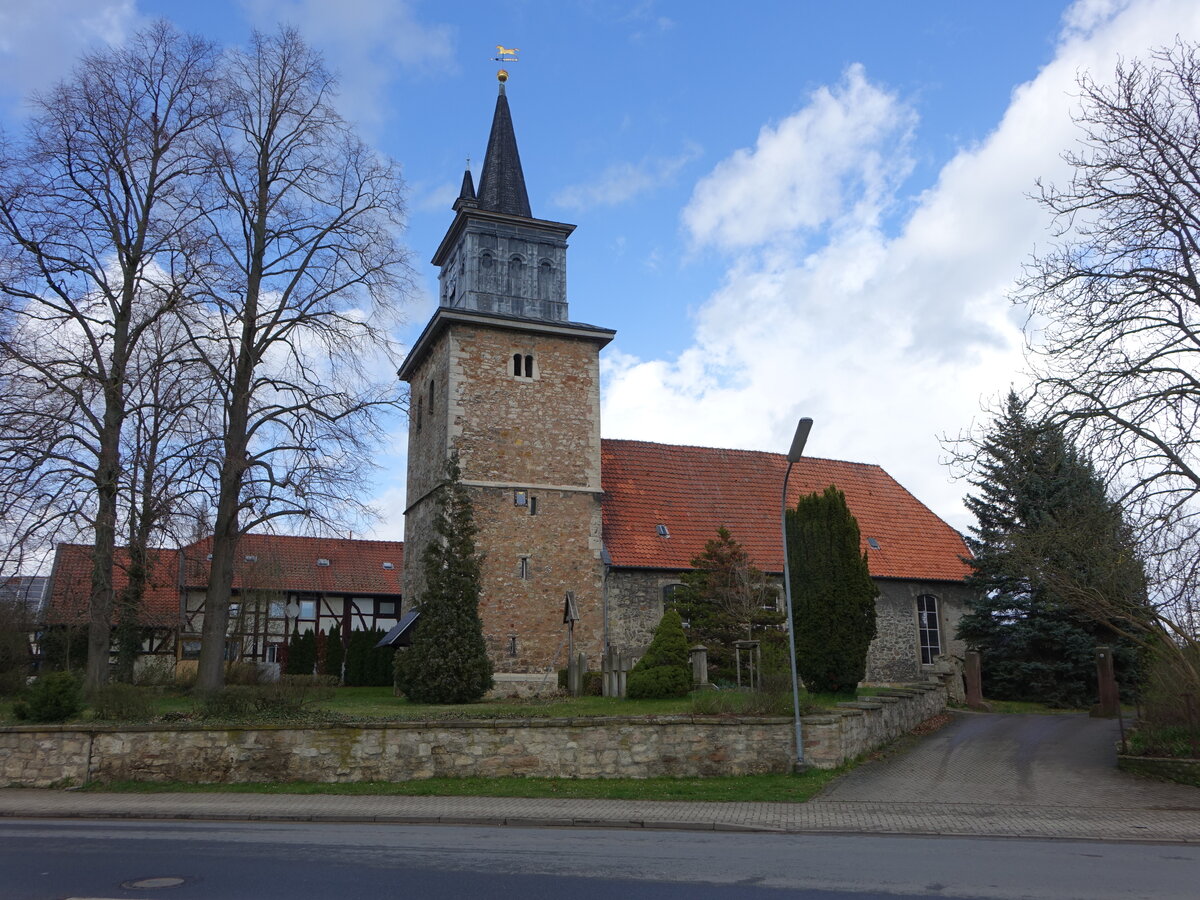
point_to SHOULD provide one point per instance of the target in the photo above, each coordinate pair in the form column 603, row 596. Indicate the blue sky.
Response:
column 784, row 208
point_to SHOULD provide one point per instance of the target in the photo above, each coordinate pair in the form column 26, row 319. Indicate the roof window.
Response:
column 389, row 565
column 662, row 531
column 872, row 543
column 251, row 558
column 322, row 561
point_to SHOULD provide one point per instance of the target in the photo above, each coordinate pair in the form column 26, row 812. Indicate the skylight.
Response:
column 872, row 543
column 322, row 561
column 662, row 531
column 389, row 565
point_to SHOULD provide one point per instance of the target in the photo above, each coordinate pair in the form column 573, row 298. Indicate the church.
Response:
column 502, row 376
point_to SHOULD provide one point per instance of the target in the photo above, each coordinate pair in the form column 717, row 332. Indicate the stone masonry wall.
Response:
column 895, row 654
column 539, row 436
column 635, row 607
column 576, row 748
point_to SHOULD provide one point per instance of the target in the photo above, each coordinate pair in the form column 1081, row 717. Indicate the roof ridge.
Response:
column 783, row 456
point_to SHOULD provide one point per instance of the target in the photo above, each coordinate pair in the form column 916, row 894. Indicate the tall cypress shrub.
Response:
column 335, row 653
column 448, row 660
column 833, row 597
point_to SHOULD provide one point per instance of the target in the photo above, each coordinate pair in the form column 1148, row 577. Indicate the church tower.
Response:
column 504, row 377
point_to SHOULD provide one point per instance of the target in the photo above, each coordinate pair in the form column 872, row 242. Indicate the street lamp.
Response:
column 797, row 450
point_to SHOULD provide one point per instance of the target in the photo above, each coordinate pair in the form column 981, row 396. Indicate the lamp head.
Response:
column 801, row 438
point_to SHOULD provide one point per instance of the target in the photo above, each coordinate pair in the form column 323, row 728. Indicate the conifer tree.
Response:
column 725, row 598
column 448, row 660
column 1043, row 522
column 335, row 653
column 833, row 596
column 663, row 670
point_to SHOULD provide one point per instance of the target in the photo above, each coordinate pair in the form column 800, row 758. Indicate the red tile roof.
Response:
column 693, row 490
column 284, row 563
column 71, row 585
column 289, row 563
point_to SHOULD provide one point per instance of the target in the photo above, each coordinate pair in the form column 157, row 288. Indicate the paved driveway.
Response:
column 1009, row 760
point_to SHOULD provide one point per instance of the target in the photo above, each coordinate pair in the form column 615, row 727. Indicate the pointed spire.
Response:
column 502, row 183
column 466, row 196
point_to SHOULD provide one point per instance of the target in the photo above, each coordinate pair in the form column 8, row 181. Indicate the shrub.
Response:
column 121, row 702
column 663, row 671
column 244, row 673
column 155, row 671
column 54, row 697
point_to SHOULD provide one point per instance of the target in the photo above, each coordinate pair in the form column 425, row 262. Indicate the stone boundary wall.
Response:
column 601, row 747
column 1185, row 771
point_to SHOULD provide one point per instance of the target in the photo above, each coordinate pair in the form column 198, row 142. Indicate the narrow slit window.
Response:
column 533, row 510
column 517, row 364
column 512, row 645
column 524, row 568
column 528, row 365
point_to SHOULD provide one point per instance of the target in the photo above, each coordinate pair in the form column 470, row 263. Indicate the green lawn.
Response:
column 373, row 704
column 717, row 789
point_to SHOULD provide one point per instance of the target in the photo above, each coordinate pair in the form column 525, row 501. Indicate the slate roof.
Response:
column 502, row 183
column 289, row 563
column 693, row 490
column 71, row 585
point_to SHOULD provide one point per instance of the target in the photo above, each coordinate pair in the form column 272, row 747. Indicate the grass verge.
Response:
column 715, row 789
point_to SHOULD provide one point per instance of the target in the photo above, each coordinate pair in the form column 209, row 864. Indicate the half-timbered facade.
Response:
column 281, row 583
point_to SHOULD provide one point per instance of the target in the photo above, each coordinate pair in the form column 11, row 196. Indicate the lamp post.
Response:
column 797, row 450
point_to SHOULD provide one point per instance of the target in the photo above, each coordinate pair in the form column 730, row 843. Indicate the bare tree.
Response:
column 298, row 310
column 96, row 212
column 1114, row 305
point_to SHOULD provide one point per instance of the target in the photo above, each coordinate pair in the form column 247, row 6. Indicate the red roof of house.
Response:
column 694, row 490
column 288, row 563
column 283, row 563
column 71, row 585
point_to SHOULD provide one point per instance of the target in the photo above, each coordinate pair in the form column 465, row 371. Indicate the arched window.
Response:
column 516, row 274
column 528, row 365
column 517, row 364
column 929, row 632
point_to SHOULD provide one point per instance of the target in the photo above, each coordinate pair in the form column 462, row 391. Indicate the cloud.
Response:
column 888, row 334
column 621, row 182
column 40, row 42
column 850, row 140
column 366, row 42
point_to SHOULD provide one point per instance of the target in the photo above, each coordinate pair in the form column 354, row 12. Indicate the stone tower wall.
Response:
column 536, row 435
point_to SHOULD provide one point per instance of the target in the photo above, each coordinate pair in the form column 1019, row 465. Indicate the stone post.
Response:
column 973, row 676
column 699, row 659
column 575, row 669
column 1110, row 701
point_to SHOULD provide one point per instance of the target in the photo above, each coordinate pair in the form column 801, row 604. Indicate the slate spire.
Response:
column 466, row 195
column 502, row 183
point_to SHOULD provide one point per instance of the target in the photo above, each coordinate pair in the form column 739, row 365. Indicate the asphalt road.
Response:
column 45, row 859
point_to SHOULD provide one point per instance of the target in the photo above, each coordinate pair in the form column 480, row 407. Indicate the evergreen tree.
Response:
column 1045, row 530
column 663, row 670
column 335, row 653
column 833, row 596
column 448, row 661
column 722, row 600
column 302, row 652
